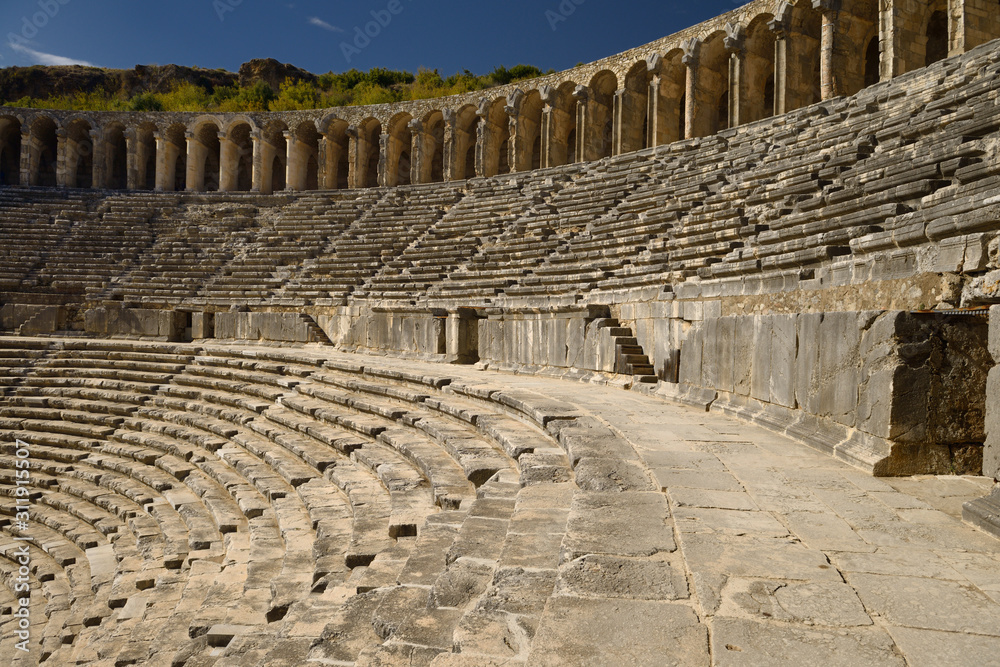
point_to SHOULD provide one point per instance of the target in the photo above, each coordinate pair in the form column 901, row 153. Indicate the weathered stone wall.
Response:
column 284, row 327
column 413, row 333
column 548, row 338
column 895, row 392
column 166, row 325
column 985, row 512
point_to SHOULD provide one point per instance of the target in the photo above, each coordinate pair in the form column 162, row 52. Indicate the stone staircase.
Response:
column 630, row 359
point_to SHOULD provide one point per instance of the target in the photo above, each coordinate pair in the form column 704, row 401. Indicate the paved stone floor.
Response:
column 776, row 552
column 684, row 538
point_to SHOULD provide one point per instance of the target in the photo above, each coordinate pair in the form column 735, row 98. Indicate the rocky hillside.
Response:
column 41, row 82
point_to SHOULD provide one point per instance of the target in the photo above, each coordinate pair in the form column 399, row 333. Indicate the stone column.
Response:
column 827, row 77
column 195, row 177
column 417, row 152
column 780, row 29
column 583, row 129
column 654, row 131
column 132, row 159
column 63, row 146
column 322, row 168
column 518, row 143
column 99, row 178
column 617, row 120
column 383, row 160
column 546, row 132
column 27, row 173
column 733, row 43
column 353, row 156
column 690, row 60
column 164, row 181
column 448, row 147
column 294, row 176
column 229, row 163
column 482, row 135
column 257, row 178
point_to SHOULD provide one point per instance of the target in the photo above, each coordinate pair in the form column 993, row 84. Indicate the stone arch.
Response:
column 757, row 89
column 632, row 107
column 798, row 29
column 303, row 157
column 78, row 153
column 597, row 142
column 430, row 167
column 172, row 163
column 711, row 87
column 528, row 138
column 398, row 146
column 493, row 140
column 274, row 157
column 464, row 143
column 10, row 150
column 666, row 120
column 44, row 153
column 114, row 161
column 919, row 32
column 936, row 32
column 873, row 61
column 857, row 24
column 562, row 135
column 236, row 172
column 369, row 134
column 204, row 153
column 336, row 156
column 142, row 167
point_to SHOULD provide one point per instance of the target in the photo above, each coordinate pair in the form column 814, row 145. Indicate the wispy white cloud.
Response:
column 320, row 23
column 41, row 58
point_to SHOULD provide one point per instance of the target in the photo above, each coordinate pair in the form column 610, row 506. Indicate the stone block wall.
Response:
column 556, row 338
column 985, row 512
column 283, row 327
column 894, row 392
column 414, row 333
column 166, row 325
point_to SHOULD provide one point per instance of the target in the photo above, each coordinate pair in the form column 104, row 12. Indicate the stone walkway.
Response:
column 771, row 553
column 613, row 528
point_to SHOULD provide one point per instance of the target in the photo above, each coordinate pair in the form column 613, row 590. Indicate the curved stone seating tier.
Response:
column 820, row 187
column 301, row 474
column 267, row 506
column 381, row 233
column 298, row 232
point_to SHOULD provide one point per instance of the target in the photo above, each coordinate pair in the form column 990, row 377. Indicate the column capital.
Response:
column 654, row 62
column 62, row 133
column 781, row 24
column 352, row 131
column 416, row 125
column 826, row 5
column 449, row 116
column 691, row 48
column 581, row 93
column 734, row 39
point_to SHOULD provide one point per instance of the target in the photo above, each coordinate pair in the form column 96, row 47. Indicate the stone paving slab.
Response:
column 671, row 537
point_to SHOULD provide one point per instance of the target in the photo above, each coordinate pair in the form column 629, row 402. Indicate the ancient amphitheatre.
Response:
column 682, row 357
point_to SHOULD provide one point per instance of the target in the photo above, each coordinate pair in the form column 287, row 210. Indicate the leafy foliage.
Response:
column 350, row 88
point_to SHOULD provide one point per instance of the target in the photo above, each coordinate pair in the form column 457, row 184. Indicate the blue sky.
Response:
column 447, row 35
